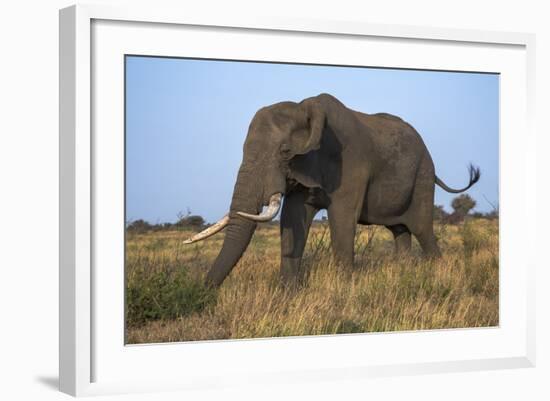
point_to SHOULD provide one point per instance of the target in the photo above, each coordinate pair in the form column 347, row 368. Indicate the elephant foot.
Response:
column 292, row 282
column 292, row 273
column 343, row 263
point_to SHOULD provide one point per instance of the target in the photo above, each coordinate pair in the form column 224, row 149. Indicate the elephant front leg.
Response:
column 296, row 218
column 343, row 224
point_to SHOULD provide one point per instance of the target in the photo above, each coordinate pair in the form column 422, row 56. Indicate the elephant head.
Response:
column 281, row 146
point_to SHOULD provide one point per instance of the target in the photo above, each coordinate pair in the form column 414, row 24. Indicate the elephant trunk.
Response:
column 247, row 197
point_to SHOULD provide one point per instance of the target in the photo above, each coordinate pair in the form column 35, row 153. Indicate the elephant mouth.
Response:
column 269, row 213
column 266, row 215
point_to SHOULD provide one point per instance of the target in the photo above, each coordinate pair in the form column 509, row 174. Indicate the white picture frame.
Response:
column 85, row 355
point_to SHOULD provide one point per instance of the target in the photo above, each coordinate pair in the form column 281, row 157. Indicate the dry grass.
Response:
column 166, row 300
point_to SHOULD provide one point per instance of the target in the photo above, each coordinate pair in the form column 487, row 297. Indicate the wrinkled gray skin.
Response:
column 366, row 169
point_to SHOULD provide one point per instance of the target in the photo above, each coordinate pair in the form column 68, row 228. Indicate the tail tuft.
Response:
column 474, row 173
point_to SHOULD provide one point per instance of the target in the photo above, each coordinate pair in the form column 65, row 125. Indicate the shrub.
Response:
column 463, row 204
column 439, row 213
column 190, row 221
column 454, row 218
column 165, row 294
column 139, row 226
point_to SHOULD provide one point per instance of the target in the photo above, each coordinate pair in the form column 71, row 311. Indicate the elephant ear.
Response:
column 316, row 152
column 308, row 137
column 307, row 170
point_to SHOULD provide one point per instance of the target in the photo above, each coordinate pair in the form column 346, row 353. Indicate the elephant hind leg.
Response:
column 402, row 237
column 420, row 214
column 428, row 242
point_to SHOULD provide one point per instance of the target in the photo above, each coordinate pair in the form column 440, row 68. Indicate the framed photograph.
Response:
column 267, row 200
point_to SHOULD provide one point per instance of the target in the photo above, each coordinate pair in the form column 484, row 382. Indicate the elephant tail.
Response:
column 474, row 177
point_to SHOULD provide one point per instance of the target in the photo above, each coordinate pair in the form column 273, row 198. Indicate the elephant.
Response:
column 319, row 154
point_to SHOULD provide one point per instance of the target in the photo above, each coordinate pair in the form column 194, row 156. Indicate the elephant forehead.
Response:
column 281, row 115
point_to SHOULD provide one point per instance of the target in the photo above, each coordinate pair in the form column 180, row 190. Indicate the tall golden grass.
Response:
column 166, row 300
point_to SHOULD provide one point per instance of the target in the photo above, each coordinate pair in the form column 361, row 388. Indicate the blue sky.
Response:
column 186, row 121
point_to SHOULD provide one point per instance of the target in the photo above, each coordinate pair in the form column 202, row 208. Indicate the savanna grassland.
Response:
column 166, row 300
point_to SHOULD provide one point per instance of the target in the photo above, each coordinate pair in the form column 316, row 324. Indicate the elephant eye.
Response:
column 285, row 150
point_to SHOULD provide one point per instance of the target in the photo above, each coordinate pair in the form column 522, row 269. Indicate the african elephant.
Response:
column 319, row 154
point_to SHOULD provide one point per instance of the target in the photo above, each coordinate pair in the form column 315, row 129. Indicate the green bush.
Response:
column 164, row 295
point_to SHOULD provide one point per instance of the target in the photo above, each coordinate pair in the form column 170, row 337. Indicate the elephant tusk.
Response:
column 213, row 229
column 269, row 213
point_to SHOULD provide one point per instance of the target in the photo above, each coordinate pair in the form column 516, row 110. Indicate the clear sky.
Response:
column 186, row 121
